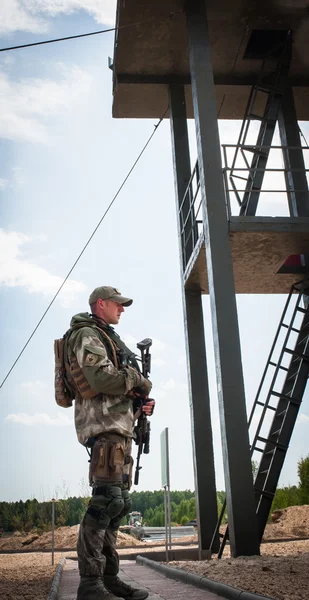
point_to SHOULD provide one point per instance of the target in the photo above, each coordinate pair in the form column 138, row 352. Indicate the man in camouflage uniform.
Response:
column 105, row 385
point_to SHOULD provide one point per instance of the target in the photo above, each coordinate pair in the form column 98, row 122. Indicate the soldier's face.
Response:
column 111, row 311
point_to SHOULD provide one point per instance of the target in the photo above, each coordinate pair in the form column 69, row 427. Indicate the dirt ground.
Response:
column 26, row 576
column 64, row 537
column 282, row 570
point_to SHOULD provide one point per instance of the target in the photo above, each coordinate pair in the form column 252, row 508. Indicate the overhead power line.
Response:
column 85, row 246
column 70, row 37
column 171, row 15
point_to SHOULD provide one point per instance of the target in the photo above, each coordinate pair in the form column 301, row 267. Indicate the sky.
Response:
column 63, row 158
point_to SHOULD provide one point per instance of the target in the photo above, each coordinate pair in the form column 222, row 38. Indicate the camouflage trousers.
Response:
column 110, row 502
column 96, row 545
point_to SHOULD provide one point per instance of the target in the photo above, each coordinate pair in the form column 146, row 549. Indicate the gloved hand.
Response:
column 136, row 382
column 144, row 386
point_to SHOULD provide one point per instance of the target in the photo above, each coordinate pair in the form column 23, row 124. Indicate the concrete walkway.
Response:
column 159, row 586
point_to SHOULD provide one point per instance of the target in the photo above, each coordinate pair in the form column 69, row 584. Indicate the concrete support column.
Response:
column 204, row 472
column 293, row 159
column 234, row 430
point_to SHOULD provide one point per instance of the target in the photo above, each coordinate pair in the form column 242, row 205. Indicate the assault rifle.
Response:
column 142, row 429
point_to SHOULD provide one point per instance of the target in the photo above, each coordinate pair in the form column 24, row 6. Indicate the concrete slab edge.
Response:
column 54, row 590
column 221, row 589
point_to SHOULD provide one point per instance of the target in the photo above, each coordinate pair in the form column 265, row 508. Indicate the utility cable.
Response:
column 302, row 135
column 70, row 37
column 82, row 35
column 86, row 245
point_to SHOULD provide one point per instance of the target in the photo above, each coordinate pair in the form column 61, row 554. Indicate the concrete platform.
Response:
column 260, row 246
column 160, row 588
column 151, row 51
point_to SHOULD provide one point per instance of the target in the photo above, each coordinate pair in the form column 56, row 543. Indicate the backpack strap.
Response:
column 112, row 345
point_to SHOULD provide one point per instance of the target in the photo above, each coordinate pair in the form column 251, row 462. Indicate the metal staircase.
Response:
column 285, row 377
column 265, row 96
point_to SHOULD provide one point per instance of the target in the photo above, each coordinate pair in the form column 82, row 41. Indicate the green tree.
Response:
column 255, row 468
column 158, row 518
column 286, row 496
column 148, row 516
column 303, row 474
column 184, row 520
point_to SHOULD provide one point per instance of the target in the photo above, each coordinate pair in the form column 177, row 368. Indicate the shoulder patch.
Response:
column 91, row 359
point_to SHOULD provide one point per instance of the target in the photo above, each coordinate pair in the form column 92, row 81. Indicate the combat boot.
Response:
column 123, row 590
column 93, row 588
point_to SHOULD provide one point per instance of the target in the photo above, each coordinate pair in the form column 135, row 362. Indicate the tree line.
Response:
column 183, row 508
column 31, row 514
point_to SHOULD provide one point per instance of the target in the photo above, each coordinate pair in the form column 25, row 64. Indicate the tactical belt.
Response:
column 99, row 491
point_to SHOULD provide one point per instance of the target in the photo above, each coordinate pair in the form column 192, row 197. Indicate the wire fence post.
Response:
column 165, row 476
column 53, row 530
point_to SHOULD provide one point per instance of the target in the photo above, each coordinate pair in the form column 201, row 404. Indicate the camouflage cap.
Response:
column 109, row 293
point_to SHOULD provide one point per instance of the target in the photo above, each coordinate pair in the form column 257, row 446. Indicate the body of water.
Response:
column 158, row 533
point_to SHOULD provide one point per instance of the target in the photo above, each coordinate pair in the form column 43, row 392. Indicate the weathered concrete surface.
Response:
column 260, row 246
column 153, row 51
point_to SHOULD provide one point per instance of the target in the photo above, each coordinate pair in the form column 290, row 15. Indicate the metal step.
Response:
column 298, row 354
column 296, row 401
column 273, row 88
column 279, row 366
column 276, row 442
column 267, row 405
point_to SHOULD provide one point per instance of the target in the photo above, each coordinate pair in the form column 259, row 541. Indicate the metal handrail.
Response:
column 231, row 172
column 189, row 220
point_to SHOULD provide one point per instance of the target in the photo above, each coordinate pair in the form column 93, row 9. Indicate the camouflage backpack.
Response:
column 69, row 377
column 64, row 384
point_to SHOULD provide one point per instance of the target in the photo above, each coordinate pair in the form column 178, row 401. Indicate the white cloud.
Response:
column 39, row 419
column 3, row 184
column 157, row 349
column 158, row 362
column 30, row 15
column 14, row 16
column 169, row 385
column 303, row 418
column 17, row 271
column 26, row 106
column 158, row 346
column 33, row 388
column 162, row 390
column 130, row 341
column 103, row 11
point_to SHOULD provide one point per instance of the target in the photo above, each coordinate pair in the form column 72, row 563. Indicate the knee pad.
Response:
column 127, row 503
column 107, row 507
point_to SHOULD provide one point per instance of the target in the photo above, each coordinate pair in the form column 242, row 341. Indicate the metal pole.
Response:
column 169, row 517
column 199, row 398
column 230, row 385
column 168, row 490
column 166, row 523
column 295, row 169
column 53, row 530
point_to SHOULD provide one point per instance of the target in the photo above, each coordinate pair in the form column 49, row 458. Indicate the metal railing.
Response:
column 278, row 183
column 278, row 180
column 190, row 216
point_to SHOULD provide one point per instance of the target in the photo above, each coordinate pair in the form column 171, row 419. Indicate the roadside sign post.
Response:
column 165, row 480
column 53, row 530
